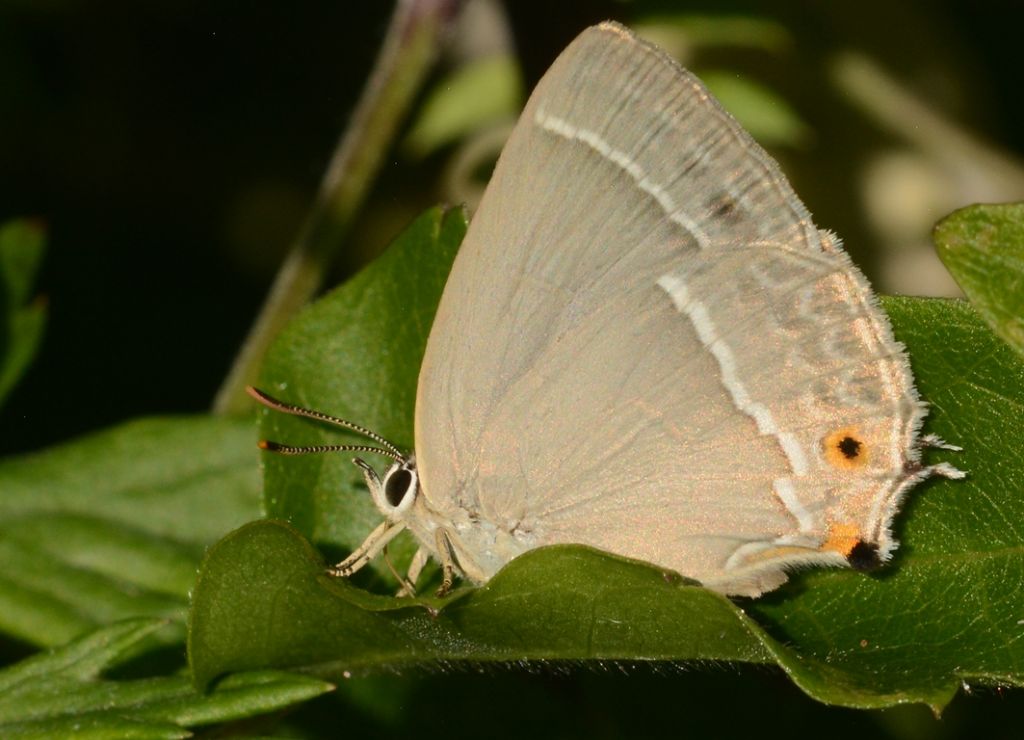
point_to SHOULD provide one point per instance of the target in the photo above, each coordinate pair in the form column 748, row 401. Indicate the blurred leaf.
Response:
column 944, row 612
column 681, row 34
column 473, row 96
column 61, row 693
column 22, row 244
column 113, row 525
column 983, row 247
column 765, row 114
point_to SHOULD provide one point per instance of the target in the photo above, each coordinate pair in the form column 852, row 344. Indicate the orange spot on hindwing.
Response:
column 842, row 538
column 846, row 449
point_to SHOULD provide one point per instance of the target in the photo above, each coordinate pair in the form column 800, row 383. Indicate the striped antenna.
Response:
column 387, row 448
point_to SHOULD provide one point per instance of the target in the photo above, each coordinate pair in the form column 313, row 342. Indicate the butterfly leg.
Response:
column 371, row 547
column 406, row 588
column 415, row 568
column 377, row 540
column 444, row 552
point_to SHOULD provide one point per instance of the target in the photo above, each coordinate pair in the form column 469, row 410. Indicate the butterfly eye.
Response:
column 400, row 487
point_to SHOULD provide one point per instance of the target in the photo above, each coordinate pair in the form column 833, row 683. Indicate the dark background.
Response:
column 172, row 149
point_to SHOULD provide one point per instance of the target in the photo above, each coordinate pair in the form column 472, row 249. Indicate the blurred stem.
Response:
column 993, row 173
column 406, row 56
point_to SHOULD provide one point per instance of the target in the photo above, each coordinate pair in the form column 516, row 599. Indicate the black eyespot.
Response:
column 864, row 556
column 397, row 486
column 850, row 447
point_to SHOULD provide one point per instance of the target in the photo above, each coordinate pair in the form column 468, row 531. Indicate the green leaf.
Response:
column 356, row 354
column 22, row 245
column 983, row 247
column 114, row 525
column 62, row 693
column 264, row 599
column 945, row 611
column 475, row 95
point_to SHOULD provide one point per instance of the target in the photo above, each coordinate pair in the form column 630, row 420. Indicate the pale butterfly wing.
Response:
column 646, row 346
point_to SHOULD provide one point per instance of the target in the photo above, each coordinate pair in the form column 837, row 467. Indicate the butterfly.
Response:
column 645, row 345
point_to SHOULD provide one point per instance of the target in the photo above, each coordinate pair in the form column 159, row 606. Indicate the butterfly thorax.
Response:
column 479, row 547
